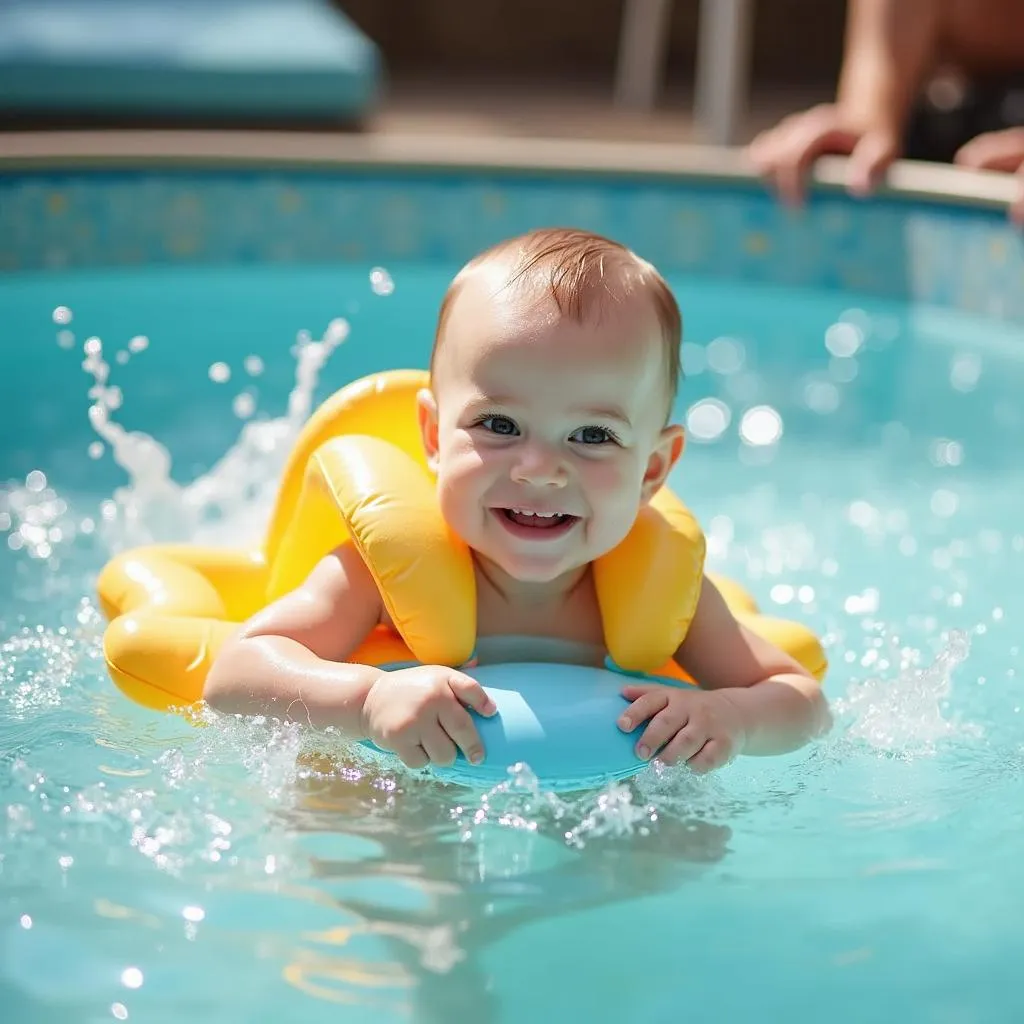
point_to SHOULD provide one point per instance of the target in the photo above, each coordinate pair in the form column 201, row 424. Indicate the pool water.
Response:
column 854, row 461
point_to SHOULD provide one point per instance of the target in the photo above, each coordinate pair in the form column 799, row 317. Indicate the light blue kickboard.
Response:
column 249, row 57
column 560, row 720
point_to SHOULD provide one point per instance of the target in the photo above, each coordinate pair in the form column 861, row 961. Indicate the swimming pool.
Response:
column 853, row 390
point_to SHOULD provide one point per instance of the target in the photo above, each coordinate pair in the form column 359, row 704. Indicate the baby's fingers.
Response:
column 684, row 745
column 471, row 693
column 663, row 727
column 458, row 724
column 646, row 702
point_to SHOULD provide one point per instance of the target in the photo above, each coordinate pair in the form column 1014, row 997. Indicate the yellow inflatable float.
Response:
column 357, row 474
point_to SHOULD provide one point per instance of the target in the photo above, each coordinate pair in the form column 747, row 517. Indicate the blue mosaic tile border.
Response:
column 967, row 259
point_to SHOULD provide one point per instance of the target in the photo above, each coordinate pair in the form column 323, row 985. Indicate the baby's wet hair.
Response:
column 580, row 271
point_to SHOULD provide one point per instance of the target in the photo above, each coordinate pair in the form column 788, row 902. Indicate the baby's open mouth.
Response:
column 537, row 520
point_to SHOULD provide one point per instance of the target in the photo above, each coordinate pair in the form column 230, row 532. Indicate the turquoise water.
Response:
column 151, row 870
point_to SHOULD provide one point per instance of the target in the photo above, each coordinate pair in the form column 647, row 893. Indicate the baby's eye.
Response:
column 500, row 425
column 592, row 435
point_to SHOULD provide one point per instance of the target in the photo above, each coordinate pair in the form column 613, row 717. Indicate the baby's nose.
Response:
column 540, row 466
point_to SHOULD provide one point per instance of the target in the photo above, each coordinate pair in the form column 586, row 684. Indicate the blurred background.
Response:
column 689, row 70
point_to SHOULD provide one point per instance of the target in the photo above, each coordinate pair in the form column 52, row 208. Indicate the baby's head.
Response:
column 553, row 375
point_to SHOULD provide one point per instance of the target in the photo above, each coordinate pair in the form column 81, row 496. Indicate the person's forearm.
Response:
column 272, row 675
column 781, row 714
column 890, row 45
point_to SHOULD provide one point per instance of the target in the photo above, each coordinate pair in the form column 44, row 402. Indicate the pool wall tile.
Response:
column 970, row 260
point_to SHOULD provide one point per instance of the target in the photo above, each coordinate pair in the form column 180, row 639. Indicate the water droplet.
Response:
column 843, row 369
column 865, row 603
column 725, row 355
column 965, row 371
column 244, row 405
column 131, row 977
column 844, row 338
column 708, row 419
column 821, row 396
column 761, row 426
column 380, row 281
column 220, row 373
column 944, row 503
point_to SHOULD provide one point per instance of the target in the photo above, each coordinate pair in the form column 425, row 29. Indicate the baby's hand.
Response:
column 420, row 715
column 699, row 727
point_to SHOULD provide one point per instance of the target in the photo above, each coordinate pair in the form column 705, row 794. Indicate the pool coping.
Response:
column 87, row 149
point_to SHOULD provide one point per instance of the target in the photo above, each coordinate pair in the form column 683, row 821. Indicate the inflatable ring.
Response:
column 357, row 474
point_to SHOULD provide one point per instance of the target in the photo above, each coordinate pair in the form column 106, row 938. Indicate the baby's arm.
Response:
column 287, row 660
column 779, row 703
column 753, row 698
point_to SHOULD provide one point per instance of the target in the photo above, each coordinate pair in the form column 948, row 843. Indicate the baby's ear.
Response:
column 426, row 414
column 666, row 454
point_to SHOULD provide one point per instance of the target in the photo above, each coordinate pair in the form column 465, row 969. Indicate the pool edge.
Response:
column 141, row 148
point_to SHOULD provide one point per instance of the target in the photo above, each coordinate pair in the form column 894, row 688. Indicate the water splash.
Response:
column 228, row 502
column 905, row 715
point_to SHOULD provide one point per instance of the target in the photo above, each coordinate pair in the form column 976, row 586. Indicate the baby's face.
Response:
column 547, row 435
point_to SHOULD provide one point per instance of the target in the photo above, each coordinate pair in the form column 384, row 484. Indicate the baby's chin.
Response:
column 533, row 570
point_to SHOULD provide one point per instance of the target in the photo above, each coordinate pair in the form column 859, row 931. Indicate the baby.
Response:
column 553, row 375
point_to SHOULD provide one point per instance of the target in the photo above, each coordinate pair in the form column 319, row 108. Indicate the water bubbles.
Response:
column 25, row 921
column 944, row 503
column 220, row 373
column 131, row 977
column 62, row 315
column 844, row 339
column 138, row 344
column 708, row 419
column 119, row 1011
column 337, row 332
column 864, row 603
column 965, row 371
column 782, row 593
column 725, row 356
column 35, row 481
column 821, row 396
column 243, row 405
column 253, row 365
column 380, row 281
column 761, row 426
column 843, row 370
column 66, row 339
column 96, row 450
column 943, row 452
column 193, row 914
column 93, row 347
